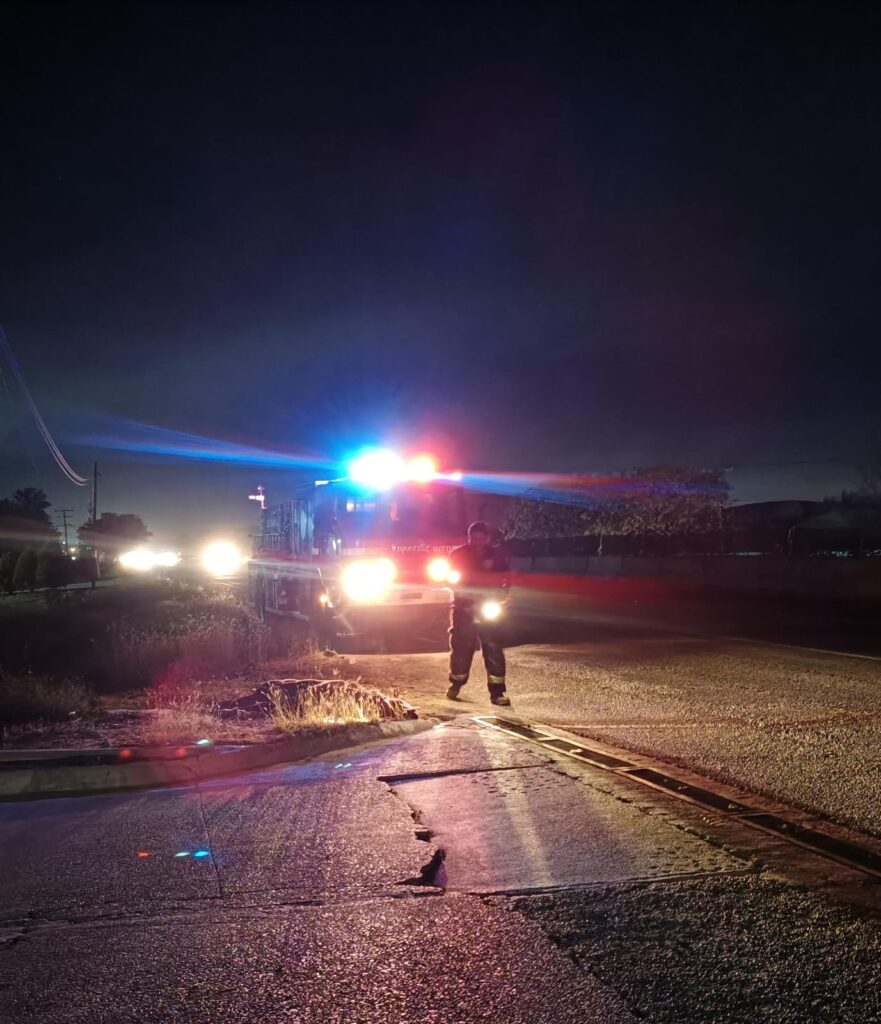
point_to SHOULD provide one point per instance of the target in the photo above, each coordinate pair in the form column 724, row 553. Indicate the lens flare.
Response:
column 116, row 434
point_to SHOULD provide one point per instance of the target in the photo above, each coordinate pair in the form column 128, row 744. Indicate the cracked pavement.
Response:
column 799, row 726
column 570, row 897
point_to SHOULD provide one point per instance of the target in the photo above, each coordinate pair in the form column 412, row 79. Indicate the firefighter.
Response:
column 478, row 571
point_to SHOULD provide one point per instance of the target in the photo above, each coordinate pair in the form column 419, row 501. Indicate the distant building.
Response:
column 832, row 528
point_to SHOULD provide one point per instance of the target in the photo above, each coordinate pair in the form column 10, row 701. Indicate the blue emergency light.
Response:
column 380, row 469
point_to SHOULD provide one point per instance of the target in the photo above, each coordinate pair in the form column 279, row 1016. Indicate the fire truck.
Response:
column 363, row 555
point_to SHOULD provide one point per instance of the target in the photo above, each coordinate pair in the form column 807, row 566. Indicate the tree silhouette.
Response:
column 114, row 532
column 7, row 571
column 658, row 502
column 25, row 575
column 870, row 477
column 24, row 521
column 31, row 503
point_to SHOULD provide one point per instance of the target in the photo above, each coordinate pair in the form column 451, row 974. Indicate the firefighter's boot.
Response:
column 497, row 693
column 456, row 684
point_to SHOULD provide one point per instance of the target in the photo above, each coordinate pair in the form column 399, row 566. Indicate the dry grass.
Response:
column 321, row 709
column 36, row 698
column 131, row 634
column 188, row 719
column 35, row 711
column 177, row 721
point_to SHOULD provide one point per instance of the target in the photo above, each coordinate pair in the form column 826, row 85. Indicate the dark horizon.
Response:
column 534, row 238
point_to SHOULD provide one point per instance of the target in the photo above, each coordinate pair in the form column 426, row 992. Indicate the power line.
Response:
column 15, row 424
column 54, row 450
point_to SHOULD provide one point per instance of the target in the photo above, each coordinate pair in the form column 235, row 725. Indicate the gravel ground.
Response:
column 802, row 727
column 721, row 950
column 795, row 725
column 829, row 768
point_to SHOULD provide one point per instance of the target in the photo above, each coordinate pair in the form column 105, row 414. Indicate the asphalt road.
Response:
column 801, row 726
column 571, row 895
column 569, row 898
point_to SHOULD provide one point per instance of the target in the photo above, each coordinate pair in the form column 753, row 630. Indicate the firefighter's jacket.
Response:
column 481, row 568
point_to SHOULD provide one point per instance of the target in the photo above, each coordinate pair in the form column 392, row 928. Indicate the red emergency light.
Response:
column 381, row 469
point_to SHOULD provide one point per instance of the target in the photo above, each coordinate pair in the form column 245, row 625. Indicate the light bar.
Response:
column 379, row 469
column 422, row 469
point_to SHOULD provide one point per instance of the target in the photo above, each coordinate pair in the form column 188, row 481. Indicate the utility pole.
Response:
column 64, row 513
column 93, row 521
column 93, row 508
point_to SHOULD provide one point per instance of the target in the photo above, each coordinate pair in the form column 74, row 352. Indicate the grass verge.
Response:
column 188, row 719
column 133, row 634
column 38, row 698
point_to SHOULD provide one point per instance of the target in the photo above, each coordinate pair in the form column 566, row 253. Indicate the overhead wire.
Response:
column 54, row 450
column 15, row 425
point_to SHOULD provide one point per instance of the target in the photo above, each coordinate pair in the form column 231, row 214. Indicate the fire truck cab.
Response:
column 363, row 555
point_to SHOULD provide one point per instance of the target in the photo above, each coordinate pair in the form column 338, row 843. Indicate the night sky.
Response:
column 533, row 237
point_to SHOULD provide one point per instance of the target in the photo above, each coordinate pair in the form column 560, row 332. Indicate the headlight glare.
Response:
column 138, row 560
column 222, row 558
column 368, row 579
column 439, row 570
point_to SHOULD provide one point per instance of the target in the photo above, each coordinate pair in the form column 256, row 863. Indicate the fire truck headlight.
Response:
column 490, row 611
column 222, row 558
column 439, row 570
column 368, row 579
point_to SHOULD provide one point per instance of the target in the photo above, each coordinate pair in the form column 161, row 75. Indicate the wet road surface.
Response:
column 570, row 897
column 794, row 724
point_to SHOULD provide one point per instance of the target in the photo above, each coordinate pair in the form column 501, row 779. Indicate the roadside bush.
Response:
column 7, row 571
column 25, row 575
column 52, row 569
column 84, row 569
column 131, row 635
column 178, row 641
column 38, row 698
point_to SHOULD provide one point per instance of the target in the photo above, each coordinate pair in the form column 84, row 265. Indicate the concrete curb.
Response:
column 82, row 780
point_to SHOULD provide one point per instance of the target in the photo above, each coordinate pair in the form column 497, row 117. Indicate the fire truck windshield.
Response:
column 409, row 512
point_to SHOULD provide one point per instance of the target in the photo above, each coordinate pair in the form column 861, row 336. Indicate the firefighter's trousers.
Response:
column 466, row 636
